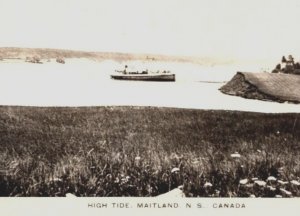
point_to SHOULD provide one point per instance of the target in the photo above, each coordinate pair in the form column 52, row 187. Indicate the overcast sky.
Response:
column 223, row 28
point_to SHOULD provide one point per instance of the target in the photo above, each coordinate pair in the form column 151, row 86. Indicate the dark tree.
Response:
column 278, row 67
column 291, row 59
column 283, row 60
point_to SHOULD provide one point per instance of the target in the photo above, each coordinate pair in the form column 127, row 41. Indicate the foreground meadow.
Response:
column 144, row 151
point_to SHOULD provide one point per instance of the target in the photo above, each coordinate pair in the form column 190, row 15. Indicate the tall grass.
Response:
column 131, row 151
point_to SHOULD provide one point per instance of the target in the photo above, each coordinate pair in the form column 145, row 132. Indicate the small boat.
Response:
column 165, row 76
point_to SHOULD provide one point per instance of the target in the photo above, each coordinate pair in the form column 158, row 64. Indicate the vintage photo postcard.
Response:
column 149, row 107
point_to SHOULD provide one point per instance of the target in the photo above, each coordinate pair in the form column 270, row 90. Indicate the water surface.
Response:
column 87, row 83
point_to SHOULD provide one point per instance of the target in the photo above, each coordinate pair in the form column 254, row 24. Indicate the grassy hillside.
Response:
column 264, row 86
column 131, row 151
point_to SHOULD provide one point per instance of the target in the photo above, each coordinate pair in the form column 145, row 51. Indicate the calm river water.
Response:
column 87, row 83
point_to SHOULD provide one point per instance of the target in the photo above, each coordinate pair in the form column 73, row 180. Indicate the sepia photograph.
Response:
column 137, row 103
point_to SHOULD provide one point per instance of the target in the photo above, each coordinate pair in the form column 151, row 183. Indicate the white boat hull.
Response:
column 145, row 77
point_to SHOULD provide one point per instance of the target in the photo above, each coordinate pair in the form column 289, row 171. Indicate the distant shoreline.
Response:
column 46, row 53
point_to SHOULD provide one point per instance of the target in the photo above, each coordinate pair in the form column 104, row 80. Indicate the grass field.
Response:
column 144, row 151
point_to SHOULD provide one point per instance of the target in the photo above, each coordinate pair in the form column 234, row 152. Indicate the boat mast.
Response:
column 124, row 72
